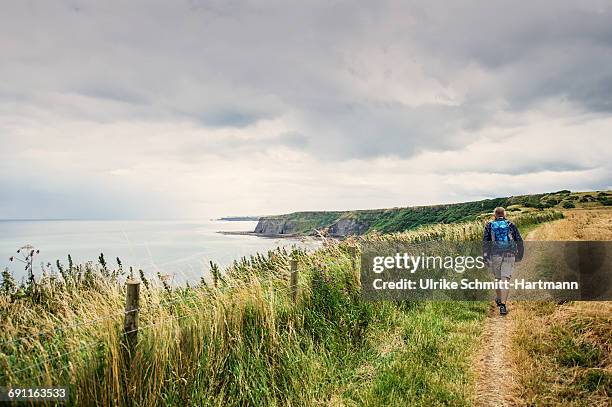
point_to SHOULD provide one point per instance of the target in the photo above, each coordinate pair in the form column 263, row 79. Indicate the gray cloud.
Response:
column 231, row 64
column 36, row 199
column 157, row 88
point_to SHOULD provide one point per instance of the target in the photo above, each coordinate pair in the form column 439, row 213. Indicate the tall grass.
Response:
column 243, row 342
column 563, row 353
column 465, row 231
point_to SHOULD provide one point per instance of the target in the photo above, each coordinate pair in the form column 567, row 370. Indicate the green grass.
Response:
column 402, row 219
column 245, row 342
column 430, row 363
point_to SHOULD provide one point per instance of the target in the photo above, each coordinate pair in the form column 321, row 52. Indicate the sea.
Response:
column 179, row 250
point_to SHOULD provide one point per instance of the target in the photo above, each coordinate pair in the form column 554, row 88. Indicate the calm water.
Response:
column 179, row 248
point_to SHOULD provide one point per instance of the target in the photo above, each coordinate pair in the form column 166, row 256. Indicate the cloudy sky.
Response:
column 188, row 109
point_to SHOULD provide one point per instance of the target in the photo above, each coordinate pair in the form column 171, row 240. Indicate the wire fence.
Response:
column 94, row 321
column 189, row 300
column 130, row 328
column 67, row 327
column 85, row 347
column 46, row 361
column 176, row 300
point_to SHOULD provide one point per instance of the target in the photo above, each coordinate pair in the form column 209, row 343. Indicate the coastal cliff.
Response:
column 347, row 227
column 297, row 223
column 348, row 223
column 291, row 225
column 276, row 226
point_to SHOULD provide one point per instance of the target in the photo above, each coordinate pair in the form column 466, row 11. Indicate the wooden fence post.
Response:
column 294, row 279
column 130, row 322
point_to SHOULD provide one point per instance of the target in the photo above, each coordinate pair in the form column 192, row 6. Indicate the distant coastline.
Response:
column 267, row 235
column 240, row 218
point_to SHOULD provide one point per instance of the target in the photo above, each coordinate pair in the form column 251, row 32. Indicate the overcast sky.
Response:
column 189, row 109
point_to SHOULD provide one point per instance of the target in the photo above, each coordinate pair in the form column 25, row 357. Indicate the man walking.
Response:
column 503, row 246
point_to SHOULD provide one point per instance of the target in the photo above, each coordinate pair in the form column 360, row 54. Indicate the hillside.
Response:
column 340, row 224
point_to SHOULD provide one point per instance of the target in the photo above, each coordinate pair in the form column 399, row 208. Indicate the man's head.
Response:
column 500, row 212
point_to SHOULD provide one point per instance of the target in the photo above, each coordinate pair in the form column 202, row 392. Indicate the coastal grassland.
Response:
column 244, row 342
column 562, row 353
column 393, row 220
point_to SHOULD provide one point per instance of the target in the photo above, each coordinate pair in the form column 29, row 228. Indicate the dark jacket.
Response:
column 490, row 249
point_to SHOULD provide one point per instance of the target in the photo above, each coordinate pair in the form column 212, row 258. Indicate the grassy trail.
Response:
column 494, row 379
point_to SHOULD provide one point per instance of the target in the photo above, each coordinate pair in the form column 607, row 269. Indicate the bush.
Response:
column 551, row 201
column 606, row 201
column 568, row 205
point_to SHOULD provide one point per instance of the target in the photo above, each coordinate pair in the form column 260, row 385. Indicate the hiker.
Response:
column 502, row 246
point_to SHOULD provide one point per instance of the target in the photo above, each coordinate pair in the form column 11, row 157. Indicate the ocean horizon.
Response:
column 179, row 248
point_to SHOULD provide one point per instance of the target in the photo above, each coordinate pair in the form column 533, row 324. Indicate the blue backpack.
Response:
column 501, row 234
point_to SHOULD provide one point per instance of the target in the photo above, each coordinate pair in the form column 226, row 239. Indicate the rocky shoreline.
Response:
column 267, row 235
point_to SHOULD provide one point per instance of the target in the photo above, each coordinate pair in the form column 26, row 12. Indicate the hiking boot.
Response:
column 498, row 302
column 502, row 309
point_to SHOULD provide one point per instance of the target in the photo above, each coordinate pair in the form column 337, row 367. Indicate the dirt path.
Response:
column 495, row 378
column 492, row 365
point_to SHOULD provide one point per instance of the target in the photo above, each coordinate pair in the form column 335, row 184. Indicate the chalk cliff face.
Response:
column 275, row 226
column 284, row 226
column 347, row 227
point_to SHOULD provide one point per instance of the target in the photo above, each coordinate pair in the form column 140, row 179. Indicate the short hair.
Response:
column 500, row 212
